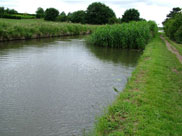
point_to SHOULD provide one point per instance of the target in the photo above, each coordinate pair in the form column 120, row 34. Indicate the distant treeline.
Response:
column 13, row 14
column 96, row 13
column 173, row 25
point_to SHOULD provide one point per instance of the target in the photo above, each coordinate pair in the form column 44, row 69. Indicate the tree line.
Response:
column 13, row 14
column 96, row 13
column 173, row 25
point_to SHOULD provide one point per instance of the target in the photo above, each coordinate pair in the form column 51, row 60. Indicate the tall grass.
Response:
column 11, row 29
column 133, row 35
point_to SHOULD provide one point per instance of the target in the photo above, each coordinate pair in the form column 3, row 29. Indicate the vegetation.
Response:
column 98, row 13
column 78, row 17
column 133, row 35
column 131, row 15
column 40, row 13
column 51, row 14
column 13, row 14
column 176, row 45
column 62, row 17
column 151, row 102
column 27, row 29
column 173, row 25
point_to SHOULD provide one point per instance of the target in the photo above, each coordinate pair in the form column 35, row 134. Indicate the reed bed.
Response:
column 134, row 35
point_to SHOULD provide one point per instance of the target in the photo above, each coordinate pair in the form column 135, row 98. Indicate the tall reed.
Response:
column 133, row 35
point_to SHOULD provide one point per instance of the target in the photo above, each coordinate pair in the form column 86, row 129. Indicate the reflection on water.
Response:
column 57, row 86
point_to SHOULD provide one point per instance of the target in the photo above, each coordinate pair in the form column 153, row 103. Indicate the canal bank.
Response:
column 151, row 102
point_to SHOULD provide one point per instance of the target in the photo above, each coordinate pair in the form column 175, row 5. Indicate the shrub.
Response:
column 172, row 27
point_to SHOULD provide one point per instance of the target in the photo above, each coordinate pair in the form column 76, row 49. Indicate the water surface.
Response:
column 56, row 87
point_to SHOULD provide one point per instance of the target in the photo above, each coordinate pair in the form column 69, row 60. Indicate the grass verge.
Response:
column 11, row 29
column 151, row 103
column 176, row 45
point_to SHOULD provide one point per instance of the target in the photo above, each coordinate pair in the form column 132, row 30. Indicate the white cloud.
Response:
column 149, row 9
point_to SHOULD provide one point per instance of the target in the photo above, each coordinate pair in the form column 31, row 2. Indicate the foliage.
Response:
column 62, row 17
column 98, row 13
column 51, row 14
column 131, row 15
column 127, row 35
column 113, row 20
column 40, row 13
column 78, row 17
column 150, row 105
column 33, row 28
column 174, row 12
column 173, row 28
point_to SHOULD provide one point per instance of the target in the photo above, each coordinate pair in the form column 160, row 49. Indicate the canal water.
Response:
column 56, row 87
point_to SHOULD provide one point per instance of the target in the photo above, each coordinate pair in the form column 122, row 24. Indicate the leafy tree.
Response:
column 98, row 13
column 40, row 13
column 78, row 17
column 2, row 11
column 174, row 12
column 62, row 17
column 69, row 17
column 131, row 15
column 173, row 28
column 51, row 14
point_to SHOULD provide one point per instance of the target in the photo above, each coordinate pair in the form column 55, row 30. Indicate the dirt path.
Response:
column 172, row 49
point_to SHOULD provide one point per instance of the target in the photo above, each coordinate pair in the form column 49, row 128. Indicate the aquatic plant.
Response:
column 133, row 35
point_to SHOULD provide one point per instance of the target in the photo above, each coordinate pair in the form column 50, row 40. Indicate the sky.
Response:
column 155, row 10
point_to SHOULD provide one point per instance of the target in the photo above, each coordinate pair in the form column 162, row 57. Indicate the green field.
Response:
column 11, row 29
column 151, row 103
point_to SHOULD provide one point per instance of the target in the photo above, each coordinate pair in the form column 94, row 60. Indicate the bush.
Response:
column 12, row 16
column 173, row 26
column 133, row 35
column 51, row 14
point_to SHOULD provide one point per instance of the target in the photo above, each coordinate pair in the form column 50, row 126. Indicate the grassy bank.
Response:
column 11, row 29
column 134, row 35
column 151, row 103
column 176, row 45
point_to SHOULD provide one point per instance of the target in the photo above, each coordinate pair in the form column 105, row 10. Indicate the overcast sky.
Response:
column 149, row 9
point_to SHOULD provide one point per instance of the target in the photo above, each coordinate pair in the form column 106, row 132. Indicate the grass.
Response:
column 133, row 35
column 151, row 103
column 11, row 29
column 176, row 45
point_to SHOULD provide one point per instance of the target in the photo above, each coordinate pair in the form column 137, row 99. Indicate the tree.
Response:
column 62, row 17
column 78, row 17
column 174, row 12
column 131, row 15
column 98, row 13
column 51, row 14
column 2, row 11
column 40, row 13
